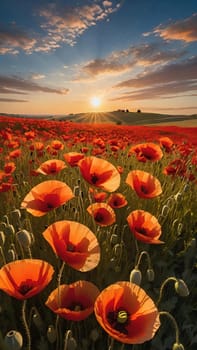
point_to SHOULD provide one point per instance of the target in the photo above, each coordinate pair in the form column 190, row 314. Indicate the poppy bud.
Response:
column 13, row 340
column 37, row 320
column 71, row 344
column 51, row 334
column 9, row 230
column 24, row 238
column 178, row 346
column 16, row 215
column 178, row 196
column 136, row 276
column 150, row 275
column 5, row 219
column 117, row 250
column 94, row 335
column 165, row 211
column 11, row 255
column 181, row 288
column 2, row 225
column 179, row 228
column 76, row 191
column 114, row 239
column 2, row 238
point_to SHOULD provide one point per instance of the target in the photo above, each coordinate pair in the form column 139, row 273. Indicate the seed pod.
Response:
column 24, row 238
column 136, row 276
column 13, row 340
column 181, row 288
column 150, row 275
column 51, row 334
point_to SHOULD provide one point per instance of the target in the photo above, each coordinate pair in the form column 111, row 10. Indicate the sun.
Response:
column 95, row 101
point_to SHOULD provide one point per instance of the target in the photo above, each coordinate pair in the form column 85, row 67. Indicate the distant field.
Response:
column 132, row 118
column 122, row 118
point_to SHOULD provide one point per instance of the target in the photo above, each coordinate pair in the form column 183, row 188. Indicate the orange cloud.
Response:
column 185, row 30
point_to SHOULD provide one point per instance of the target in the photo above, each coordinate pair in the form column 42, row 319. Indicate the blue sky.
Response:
column 135, row 54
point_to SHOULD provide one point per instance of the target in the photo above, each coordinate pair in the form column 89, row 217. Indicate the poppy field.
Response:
column 98, row 231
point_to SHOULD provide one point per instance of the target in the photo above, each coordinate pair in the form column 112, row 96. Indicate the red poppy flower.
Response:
column 97, row 196
column 15, row 154
column 52, row 166
column 57, row 145
column 25, row 278
column 166, row 143
column 144, row 184
column 74, row 243
column 100, row 173
column 36, row 146
column 73, row 158
column 176, row 167
column 117, row 200
column 127, row 313
column 103, row 214
column 46, row 196
column 144, row 226
column 9, row 167
column 147, row 151
column 73, row 301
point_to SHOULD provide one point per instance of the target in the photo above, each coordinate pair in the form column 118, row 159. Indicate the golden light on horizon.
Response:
column 95, row 101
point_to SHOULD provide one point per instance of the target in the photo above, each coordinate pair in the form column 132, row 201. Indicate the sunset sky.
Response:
column 55, row 56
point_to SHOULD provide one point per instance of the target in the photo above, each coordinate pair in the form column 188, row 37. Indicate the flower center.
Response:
column 122, row 316
column 70, row 247
column 25, row 287
column 98, row 217
column 76, row 307
column 49, row 206
column 94, row 178
column 144, row 189
column 141, row 230
column 119, row 320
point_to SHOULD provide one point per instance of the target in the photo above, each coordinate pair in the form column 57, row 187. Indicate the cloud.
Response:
column 181, row 71
column 185, row 30
column 37, row 76
column 124, row 60
column 67, row 23
column 11, row 100
column 13, row 38
column 17, row 85
column 168, row 90
column 170, row 81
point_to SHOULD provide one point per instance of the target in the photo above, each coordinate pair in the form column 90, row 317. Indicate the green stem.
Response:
column 144, row 252
column 165, row 313
column 111, row 345
column 59, row 303
column 162, row 288
column 26, row 325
